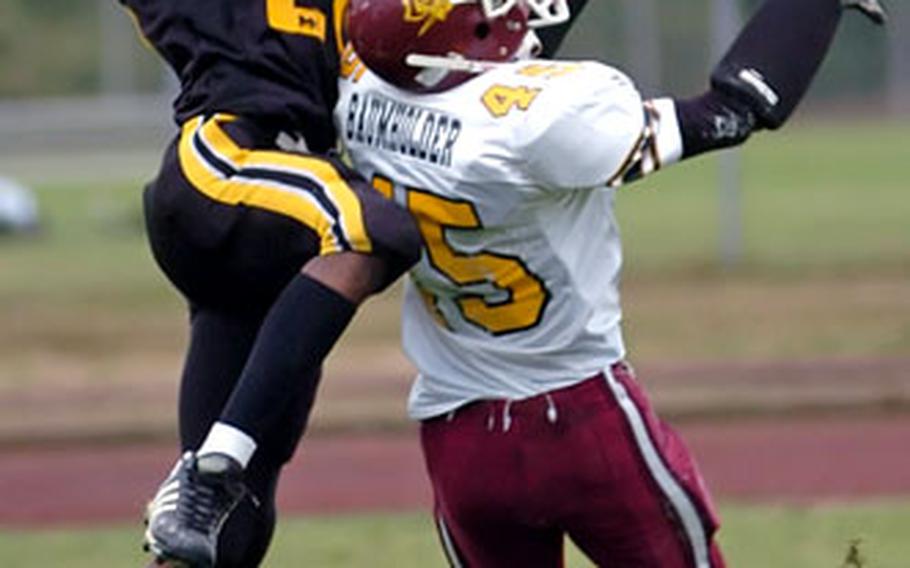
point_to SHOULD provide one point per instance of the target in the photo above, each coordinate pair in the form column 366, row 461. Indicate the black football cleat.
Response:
column 185, row 517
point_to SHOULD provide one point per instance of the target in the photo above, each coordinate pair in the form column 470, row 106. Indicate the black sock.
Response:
column 300, row 329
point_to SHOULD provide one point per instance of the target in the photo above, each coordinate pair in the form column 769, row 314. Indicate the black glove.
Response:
column 872, row 9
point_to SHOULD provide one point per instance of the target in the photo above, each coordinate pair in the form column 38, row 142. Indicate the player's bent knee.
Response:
column 353, row 275
column 395, row 247
column 393, row 232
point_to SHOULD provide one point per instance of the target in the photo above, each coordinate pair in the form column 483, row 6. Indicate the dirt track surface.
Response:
column 785, row 460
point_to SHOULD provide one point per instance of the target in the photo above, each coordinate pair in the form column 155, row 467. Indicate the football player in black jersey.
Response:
column 272, row 241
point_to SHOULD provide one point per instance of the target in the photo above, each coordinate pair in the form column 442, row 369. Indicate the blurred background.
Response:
column 767, row 294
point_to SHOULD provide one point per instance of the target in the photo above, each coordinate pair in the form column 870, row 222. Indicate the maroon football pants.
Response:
column 591, row 461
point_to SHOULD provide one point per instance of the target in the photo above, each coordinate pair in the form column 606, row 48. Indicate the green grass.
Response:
column 816, row 537
column 816, row 196
column 752, row 537
column 91, row 250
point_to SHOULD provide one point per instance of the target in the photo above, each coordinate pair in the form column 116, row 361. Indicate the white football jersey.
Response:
column 509, row 176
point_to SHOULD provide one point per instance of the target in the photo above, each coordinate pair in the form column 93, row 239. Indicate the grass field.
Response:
column 752, row 537
column 819, row 197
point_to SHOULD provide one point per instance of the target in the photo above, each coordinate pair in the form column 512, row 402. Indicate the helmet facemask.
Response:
column 543, row 13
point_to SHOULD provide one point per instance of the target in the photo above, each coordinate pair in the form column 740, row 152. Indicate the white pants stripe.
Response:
column 676, row 495
column 447, row 545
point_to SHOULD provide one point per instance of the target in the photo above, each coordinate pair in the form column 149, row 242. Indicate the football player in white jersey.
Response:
column 533, row 427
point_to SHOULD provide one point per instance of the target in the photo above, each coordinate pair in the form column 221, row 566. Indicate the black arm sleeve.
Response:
column 775, row 57
column 763, row 76
column 551, row 37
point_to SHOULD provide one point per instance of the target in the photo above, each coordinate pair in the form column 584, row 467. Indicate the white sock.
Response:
column 226, row 439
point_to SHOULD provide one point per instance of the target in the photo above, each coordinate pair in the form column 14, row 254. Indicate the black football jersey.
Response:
column 274, row 61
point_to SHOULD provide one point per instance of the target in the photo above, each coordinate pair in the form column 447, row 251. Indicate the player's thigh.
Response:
column 483, row 513
column 218, row 255
column 227, row 197
column 392, row 231
column 656, row 511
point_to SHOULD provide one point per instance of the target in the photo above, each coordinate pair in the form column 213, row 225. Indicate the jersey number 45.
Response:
column 515, row 299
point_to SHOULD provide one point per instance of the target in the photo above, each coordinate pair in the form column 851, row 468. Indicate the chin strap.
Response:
column 436, row 67
column 453, row 62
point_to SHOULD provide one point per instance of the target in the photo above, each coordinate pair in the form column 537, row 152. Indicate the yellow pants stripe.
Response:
column 265, row 179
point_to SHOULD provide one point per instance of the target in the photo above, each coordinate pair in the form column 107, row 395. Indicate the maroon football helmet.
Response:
column 433, row 45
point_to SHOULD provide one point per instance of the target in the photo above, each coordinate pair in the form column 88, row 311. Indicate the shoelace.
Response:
column 199, row 510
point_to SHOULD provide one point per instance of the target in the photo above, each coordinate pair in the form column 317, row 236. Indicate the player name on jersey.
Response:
column 387, row 124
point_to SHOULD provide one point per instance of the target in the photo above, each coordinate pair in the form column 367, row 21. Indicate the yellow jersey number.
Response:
column 526, row 296
column 500, row 100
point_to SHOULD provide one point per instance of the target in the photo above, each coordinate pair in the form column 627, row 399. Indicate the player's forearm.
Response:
column 712, row 121
column 765, row 74
column 679, row 129
column 758, row 84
